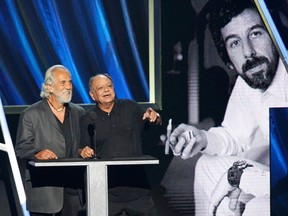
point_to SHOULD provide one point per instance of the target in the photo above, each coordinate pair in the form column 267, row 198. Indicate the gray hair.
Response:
column 93, row 77
column 49, row 79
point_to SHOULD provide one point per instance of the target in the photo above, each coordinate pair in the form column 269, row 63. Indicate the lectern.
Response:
column 97, row 178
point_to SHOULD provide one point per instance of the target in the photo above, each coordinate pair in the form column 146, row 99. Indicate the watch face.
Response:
column 234, row 175
column 235, row 172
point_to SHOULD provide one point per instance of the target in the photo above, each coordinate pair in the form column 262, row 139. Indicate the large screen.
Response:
column 279, row 162
column 120, row 38
column 277, row 24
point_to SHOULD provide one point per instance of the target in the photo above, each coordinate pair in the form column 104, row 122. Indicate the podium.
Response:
column 97, row 178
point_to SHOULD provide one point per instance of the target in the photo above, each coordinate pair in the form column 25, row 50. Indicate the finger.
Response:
column 222, row 189
column 46, row 157
column 48, row 154
column 233, row 203
column 234, row 195
column 177, row 149
column 87, row 152
column 145, row 116
column 52, row 155
column 83, row 152
column 155, row 116
column 149, row 110
column 176, row 133
column 86, row 155
column 190, row 150
column 152, row 117
column 91, row 153
column 163, row 138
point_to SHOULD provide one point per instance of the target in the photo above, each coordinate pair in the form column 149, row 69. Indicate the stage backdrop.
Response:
column 88, row 37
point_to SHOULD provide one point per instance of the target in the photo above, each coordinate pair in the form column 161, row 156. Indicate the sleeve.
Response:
column 85, row 139
column 25, row 146
column 255, row 181
column 237, row 131
column 137, row 111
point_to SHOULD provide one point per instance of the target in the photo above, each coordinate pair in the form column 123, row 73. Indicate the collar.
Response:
column 67, row 106
column 115, row 110
column 278, row 87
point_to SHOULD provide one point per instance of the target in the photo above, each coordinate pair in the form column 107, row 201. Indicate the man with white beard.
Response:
column 48, row 130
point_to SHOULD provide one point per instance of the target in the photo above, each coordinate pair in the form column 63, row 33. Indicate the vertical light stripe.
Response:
column 52, row 24
column 109, row 52
column 134, row 48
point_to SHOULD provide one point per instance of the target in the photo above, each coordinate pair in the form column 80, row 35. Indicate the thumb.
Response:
column 163, row 138
column 234, row 195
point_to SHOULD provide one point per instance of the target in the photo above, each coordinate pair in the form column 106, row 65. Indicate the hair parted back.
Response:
column 49, row 79
column 221, row 13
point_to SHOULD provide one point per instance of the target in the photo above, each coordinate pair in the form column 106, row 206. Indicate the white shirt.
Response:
column 255, row 181
column 246, row 122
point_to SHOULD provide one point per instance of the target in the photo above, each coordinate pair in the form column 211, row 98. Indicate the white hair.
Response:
column 49, row 79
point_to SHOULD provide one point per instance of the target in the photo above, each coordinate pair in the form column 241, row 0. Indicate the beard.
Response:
column 263, row 78
column 64, row 96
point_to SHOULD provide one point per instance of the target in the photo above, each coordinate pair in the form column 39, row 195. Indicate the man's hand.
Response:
column 86, row 152
column 152, row 116
column 45, row 154
column 222, row 190
column 187, row 141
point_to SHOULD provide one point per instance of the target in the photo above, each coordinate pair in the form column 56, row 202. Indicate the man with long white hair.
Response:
column 48, row 130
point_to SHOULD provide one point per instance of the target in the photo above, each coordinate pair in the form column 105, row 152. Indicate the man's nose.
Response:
column 68, row 85
column 248, row 49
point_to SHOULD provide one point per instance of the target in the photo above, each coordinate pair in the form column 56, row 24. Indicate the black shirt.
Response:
column 66, row 130
column 118, row 134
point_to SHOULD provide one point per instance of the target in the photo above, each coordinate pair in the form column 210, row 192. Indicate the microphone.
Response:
column 92, row 131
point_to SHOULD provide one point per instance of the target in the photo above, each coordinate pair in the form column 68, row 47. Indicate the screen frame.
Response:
column 272, row 29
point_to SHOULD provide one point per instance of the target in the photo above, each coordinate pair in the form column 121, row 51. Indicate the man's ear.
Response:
column 92, row 95
column 230, row 66
column 50, row 88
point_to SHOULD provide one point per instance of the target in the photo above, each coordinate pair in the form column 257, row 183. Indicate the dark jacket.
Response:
column 38, row 129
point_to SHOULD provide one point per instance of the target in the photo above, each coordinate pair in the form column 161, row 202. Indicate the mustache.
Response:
column 66, row 91
column 254, row 62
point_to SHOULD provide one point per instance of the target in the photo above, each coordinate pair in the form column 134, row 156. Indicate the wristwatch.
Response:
column 235, row 172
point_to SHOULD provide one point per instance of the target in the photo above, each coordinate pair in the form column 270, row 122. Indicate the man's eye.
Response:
column 234, row 43
column 256, row 34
